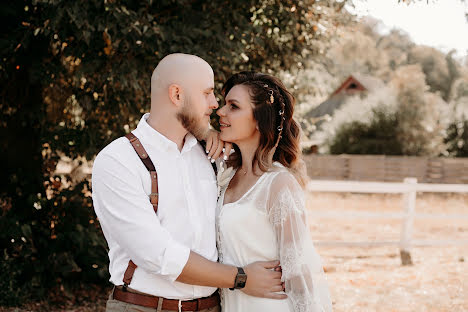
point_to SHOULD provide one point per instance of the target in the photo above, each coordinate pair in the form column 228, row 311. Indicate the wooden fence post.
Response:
column 409, row 202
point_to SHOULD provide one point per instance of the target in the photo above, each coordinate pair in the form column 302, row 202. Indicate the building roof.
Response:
column 355, row 83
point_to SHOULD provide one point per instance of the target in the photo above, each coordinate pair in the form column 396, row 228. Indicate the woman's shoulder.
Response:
column 284, row 190
column 281, row 176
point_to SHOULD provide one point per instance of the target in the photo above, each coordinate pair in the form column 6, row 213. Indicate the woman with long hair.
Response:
column 261, row 207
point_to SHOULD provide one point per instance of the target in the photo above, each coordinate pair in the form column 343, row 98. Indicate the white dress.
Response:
column 269, row 222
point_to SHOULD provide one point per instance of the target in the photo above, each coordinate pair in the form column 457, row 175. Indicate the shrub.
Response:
column 457, row 138
column 52, row 240
column 377, row 137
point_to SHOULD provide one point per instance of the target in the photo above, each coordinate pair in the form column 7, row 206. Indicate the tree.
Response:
column 396, row 44
column 348, row 55
column 420, row 113
column 439, row 76
column 75, row 75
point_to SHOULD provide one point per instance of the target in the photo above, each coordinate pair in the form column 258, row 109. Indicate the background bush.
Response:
column 379, row 137
column 56, row 241
column 457, row 138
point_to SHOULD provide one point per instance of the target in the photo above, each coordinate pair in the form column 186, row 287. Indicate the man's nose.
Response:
column 214, row 103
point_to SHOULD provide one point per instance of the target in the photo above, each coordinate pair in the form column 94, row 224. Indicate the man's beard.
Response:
column 191, row 123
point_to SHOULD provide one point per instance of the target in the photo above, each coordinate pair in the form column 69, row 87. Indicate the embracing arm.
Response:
column 261, row 280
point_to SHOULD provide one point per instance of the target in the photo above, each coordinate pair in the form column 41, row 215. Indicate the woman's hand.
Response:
column 215, row 147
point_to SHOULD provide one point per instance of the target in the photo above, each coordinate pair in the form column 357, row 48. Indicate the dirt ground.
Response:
column 372, row 279
column 369, row 279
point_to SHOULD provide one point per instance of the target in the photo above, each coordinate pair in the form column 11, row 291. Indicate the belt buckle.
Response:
column 180, row 305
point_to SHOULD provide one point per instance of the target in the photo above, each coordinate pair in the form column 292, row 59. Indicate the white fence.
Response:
column 408, row 188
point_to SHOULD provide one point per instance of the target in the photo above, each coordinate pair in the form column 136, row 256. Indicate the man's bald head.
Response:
column 180, row 69
column 182, row 90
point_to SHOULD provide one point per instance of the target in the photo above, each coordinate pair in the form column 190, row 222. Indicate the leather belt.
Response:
column 167, row 304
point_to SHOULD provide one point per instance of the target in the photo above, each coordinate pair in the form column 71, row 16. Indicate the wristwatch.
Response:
column 241, row 279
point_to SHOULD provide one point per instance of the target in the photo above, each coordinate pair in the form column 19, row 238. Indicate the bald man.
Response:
column 162, row 252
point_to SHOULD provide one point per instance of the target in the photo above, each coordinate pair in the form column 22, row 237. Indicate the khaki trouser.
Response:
column 120, row 306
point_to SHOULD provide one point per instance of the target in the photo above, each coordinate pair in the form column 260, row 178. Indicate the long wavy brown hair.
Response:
column 279, row 132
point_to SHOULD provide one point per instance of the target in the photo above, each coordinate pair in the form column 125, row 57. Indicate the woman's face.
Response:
column 236, row 116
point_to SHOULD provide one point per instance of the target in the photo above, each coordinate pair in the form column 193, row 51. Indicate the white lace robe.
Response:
column 269, row 222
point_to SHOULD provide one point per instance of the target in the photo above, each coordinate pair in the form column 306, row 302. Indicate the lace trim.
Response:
column 285, row 206
column 224, row 177
column 304, row 303
column 292, row 260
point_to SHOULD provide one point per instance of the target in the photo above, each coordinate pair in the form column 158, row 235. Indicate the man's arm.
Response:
column 262, row 280
column 126, row 214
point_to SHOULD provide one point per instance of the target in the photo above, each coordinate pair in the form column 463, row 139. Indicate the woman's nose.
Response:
column 220, row 112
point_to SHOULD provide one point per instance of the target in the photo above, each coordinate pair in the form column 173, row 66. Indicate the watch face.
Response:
column 242, row 278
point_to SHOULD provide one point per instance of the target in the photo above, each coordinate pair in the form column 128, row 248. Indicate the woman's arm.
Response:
column 303, row 275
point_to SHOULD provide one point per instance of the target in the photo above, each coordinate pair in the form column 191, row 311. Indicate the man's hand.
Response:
column 263, row 280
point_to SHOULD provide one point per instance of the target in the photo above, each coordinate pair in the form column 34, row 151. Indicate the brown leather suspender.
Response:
column 154, row 196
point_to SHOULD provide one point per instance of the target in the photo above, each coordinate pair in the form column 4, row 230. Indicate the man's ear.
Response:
column 175, row 95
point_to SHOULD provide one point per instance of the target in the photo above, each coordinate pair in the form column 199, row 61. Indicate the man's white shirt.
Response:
column 158, row 244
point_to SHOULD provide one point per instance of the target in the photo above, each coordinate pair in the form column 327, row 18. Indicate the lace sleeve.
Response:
column 305, row 281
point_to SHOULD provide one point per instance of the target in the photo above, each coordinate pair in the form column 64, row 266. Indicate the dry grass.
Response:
column 372, row 279
column 368, row 279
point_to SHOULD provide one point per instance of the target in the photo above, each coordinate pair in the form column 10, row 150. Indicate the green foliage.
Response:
column 51, row 241
column 419, row 113
column 94, row 59
column 457, row 138
column 440, row 70
column 75, row 75
column 379, row 137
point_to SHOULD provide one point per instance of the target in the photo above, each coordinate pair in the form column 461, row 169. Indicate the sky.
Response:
column 440, row 23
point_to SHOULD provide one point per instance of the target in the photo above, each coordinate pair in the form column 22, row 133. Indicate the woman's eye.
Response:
column 234, row 106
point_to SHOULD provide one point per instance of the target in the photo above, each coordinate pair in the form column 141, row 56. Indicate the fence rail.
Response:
column 409, row 189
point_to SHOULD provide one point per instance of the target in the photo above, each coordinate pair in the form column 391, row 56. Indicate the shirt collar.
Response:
column 152, row 137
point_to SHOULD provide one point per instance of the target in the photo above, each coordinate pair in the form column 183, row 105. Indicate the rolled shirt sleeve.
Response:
column 126, row 214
